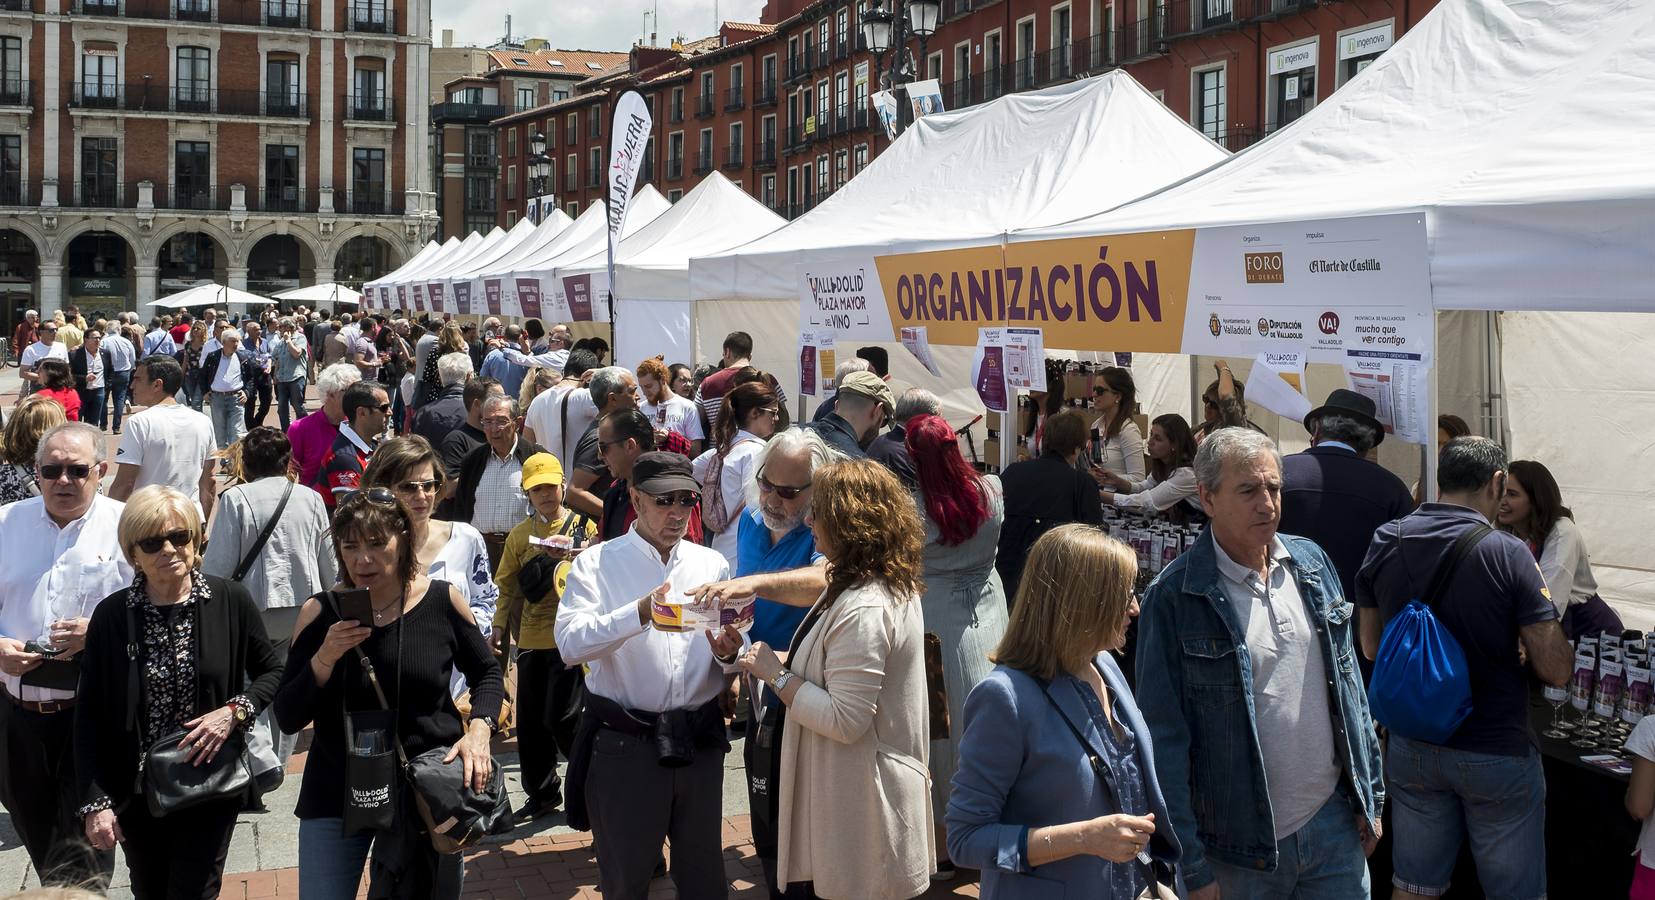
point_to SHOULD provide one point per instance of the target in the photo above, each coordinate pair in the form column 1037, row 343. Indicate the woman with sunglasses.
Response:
column 204, row 668
column 747, row 418
column 447, row 551
column 28, row 423
column 1121, row 445
column 421, row 633
column 191, row 356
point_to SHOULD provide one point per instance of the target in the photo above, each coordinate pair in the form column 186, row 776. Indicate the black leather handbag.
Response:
column 166, row 778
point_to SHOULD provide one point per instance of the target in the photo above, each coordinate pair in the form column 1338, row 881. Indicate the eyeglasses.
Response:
column 379, row 495
column 178, row 539
column 429, row 485
column 786, row 492
column 769, row 411
column 685, row 499
column 603, row 446
column 496, row 423
column 52, row 472
column 383, row 407
column 1100, row 390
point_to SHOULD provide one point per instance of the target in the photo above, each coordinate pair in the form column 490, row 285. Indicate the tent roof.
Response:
column 593, row 228
column 654, row 262
column 430, row 250
column 1518, row 126
column 209, row 295
column 964, row 178
column 330, row 292
column 437, row 262
column 521, row 234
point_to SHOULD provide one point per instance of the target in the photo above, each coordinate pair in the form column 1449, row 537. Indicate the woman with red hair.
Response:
column 964, row 603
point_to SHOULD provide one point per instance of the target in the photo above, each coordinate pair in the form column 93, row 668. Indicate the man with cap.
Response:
column 649, row 758
column 529, row 578
column 867, row 359
column 1332, row 493
column 864, row 407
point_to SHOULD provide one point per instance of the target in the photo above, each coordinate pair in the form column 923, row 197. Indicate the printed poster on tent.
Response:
column 988, row 368
column 528, row 297
column 925, row 97
column 917, row 342
column 1025, row 359
column 884, row 106
column 816, row 363
column 1399, row 386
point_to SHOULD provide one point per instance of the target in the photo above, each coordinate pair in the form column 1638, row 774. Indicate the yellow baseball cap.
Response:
column 541, row 468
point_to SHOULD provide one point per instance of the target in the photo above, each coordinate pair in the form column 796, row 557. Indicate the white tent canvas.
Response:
column 961, row 179
column 409, row 286
column 652, row 266
column 210, row 295
column 371, row 288
column 330, row 293
column 454, row 279
column 541, row 274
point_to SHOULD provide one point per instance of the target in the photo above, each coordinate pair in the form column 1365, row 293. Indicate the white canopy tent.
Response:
column 495, row 281
column 408, row 284
column 1518, row 128
column 542, row 271
column 426, row 253
column 331, row 293
column 210, row 295
column 652, row 266
column 960, row 179
column 523, row 238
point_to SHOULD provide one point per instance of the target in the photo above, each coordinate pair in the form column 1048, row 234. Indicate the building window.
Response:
column 594, row 166
column 479, row 194
column 1359, row 48
column 572, row 208
column 1024, row 74
column 369, row 102
column 281, row 177
column 511, row 142
column 1062, row 39
column 192, row 175
column 842, row 49
column 859, row 85
column 368, row 15
column 769, row 191
column 594, row 122
column 841, row 168
column 822, row 175
column 1292, row 83
column 824, row 109
column 792, row 187
column 11, row 169
column 822, row 36
column 993, row 61
column 511, row 219
column 733, row 152
column 99, row 78
column 677, row 104
column 1215, row 12
column 571, row 173
column 11, row 70
column 675, row 155
column 704, row 154
column 767, row 76
column 281, row 85
column 525, row 98
column 571, row 129
column 194, row 91
column 97, row 172
column 674, row 195
column 1209, row 102
column 559, row 93
column 480, row 149
column 861, row 159
column 511, row 182
column 368, row 180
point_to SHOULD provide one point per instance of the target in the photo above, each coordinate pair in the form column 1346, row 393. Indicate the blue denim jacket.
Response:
column 1195, row 689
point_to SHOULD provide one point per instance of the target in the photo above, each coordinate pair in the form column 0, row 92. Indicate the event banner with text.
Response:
column 1337, row 288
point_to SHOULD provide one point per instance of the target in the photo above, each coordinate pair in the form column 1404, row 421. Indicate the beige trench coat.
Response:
column 855, row 807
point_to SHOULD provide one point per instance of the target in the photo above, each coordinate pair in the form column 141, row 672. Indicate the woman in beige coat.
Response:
column 855, row 819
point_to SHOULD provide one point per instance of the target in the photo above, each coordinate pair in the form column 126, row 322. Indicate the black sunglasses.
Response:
column 783, row 491
column 686, row 499
column 429, row 484
column 52, row 472
column 178, row 539
column 384, row 407
column 379, row 495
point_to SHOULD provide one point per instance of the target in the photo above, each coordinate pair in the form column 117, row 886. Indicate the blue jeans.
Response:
column 91, row 406
column 120, row 388
column 194, row 390
column 1439, row 795
column 290, row 395
column 1321, row 861
column 229, row 418
column 330, row 861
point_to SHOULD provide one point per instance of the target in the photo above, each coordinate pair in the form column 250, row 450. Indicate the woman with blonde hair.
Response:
column 32, row 419
column 666, row 410
column 449, row 340
column 1056, row 773
column 191, row 356
column 853, row 812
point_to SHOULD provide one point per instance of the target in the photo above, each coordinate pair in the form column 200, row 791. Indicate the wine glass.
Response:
column 1560, row 729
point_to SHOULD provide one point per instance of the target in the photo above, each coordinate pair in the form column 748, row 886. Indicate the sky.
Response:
column 584, row 24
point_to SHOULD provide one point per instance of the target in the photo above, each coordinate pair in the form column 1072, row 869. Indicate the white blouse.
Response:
column 1123, row 454
column 1150, row 495
column 1567, row 566
column 732, row 483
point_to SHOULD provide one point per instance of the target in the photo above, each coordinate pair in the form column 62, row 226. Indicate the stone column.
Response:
column 149, row 289
column 51, row 289
column 236, row 277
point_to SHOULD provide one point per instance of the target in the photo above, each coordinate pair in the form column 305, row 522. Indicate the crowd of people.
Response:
column 483, row 525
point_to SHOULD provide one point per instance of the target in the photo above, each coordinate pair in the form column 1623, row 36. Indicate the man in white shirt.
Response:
column 46, row 346
column 59, row 556
column 651, row 744
column 555, row 356
column 230, row 372
column 569, row 402
column 168, row 443
column 123, row 358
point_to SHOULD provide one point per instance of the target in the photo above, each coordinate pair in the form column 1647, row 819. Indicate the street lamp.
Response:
column 883, row 30
column 539, row 168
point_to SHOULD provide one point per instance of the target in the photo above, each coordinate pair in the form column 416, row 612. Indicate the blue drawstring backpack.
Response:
column 1421, row 686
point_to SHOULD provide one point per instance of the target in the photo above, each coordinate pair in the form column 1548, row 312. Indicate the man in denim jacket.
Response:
column 1247, row 679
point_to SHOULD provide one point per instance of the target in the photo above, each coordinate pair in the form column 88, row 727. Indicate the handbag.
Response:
column 166, row 778
column 1156, row 885
column 455, row 816
column 246, row 564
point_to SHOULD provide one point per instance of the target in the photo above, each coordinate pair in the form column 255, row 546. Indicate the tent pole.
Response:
column 1427, row 447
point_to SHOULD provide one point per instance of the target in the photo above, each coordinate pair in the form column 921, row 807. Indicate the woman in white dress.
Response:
column 1121, row 445
column 746, row 420
column 666, row 410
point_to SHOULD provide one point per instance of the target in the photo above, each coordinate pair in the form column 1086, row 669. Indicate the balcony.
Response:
column 15, row 6
column 733, row 158
column 797, row 136
column 1141, row 40
column 110, row 8
column 764, row 154
column 285, row 13
column 368, row 202
column 199, row 100
column 369, row 108
column 766, row 95
column 282, row 198
column 285, row 105
column 704, row 107
column 801, row 65
column 703, row 161
column 571, row 183
column 472, row 113
column 11, row 191
column 1186, row 18
column 735, row 98
column 193, row 196
column 594, row 177
column 795, row 210
column 194, row 11
column 368, row 19
column 99, row 195
column 841, row 50
column 675, row 168
column 16, row 92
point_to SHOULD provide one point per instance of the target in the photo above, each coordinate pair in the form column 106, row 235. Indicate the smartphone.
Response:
column 356, row 604
column 42, row 649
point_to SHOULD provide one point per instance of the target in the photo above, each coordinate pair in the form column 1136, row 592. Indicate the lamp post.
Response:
column 884, row 29
column 539, row 169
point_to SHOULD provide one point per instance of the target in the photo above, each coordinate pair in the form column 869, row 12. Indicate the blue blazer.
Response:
column 1021, row 767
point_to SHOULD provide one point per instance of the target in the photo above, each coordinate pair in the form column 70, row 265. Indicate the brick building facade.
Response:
column 782, row 108
column 146, row 145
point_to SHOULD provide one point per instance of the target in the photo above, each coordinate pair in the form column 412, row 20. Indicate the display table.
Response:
column 1589, row 836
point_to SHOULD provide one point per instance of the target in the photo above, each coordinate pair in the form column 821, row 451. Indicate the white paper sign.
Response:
column 1277, row 383
column 842, row 296
column 816, row 363
column 925, row 97
column 1397, row 383
column 884, row 105
column 1025, row 359
column 919, row 343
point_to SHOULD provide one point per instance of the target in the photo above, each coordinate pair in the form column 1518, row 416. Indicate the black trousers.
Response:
column 258, row 402
column 180, row 856
column 37, row 786
column 546, row 719
column 636, row 803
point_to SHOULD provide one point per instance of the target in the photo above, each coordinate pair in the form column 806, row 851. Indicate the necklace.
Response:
column 380, row 611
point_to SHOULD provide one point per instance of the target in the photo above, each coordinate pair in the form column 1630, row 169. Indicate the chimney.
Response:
column 448, row 37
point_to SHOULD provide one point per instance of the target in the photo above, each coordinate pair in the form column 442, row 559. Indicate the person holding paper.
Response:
column 1170, row 487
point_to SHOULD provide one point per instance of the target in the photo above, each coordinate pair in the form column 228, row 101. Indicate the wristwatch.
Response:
column 782, row 680
column 493, row 726
column 239, row 711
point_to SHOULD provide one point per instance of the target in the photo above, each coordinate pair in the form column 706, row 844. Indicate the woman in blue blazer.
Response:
column 1056, row 793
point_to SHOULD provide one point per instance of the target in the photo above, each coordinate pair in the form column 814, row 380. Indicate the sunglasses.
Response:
column 178, row 539
column 783, row 491
column 1104, row 390
column 419, row 487
column 384, row 407
column 52, row 472
column 686, row 500
column 379, row 495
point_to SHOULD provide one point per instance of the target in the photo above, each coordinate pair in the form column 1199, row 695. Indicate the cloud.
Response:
column 584, row 24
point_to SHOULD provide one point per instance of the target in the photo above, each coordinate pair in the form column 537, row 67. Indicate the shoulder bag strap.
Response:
column 1462, row 548
column 373, row 677
column 246, row 564
column 133, row 638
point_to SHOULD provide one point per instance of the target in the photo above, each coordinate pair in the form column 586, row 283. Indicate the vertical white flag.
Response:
column 628, row 137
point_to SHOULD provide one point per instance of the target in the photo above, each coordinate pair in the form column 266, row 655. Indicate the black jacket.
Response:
column 236, row 658
column 1041, row 494
column 77, row 366
column 209, row 368
column 436, row 420
column 471, row 473
column 1337, row 499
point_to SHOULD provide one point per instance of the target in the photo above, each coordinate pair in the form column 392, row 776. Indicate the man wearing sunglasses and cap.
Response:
column 649, row 755
column 61, row 556
column 863, row 407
